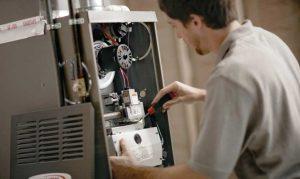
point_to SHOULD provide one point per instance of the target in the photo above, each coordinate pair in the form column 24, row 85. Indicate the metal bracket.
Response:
column 62, row 64
column 54, row 26
column 77, row 21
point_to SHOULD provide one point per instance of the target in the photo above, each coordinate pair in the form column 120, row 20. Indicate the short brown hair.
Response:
column 216, row 13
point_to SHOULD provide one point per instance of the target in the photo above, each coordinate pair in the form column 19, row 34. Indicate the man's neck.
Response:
column 216, row 37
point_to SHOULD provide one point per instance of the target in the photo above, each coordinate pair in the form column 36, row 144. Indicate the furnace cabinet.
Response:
column 46, row 129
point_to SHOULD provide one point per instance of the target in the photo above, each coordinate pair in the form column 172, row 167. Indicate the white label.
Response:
column 22, row 29
column 52, row 176
column 21, row 23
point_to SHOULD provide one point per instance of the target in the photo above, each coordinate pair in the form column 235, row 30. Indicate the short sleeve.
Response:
column 227, row 111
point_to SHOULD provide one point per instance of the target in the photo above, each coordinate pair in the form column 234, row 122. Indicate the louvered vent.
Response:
column 26, row 140
column 48, row 146
column 72, row 137
column 51, row 139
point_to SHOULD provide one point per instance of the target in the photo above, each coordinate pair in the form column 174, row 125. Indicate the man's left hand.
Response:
column 124, row 159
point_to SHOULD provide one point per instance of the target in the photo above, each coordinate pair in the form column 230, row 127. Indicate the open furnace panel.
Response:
column 129, row 75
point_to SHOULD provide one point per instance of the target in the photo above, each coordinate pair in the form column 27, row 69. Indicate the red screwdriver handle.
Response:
column 173, row 95
column 161, row 102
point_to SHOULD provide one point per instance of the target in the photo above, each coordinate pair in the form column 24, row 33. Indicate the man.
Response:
column 251, row 121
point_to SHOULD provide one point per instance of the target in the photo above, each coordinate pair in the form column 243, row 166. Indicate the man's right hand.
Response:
column 184, row 93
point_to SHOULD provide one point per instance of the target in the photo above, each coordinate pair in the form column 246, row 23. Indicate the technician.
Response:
column 251, row 117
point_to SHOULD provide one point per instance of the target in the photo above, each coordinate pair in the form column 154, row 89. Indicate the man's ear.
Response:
column 196, row 20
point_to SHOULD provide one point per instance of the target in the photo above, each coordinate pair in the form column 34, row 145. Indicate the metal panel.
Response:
column 116, row 16
column 29, row 81
column 13, row 10
column 101, row 154
column 164, row 124
column 27, row 73
column 54, row 141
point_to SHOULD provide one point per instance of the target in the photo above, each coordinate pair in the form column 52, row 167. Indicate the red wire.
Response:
column 114, row 42
column 124, row 83
column 110, row 38
column 125, row 76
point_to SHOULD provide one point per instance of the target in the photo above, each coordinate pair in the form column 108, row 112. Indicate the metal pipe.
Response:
column 90, row 5
column 80, row 5
column 113, row 115
column 93, row 3
column 49, row 12
column 47, row 4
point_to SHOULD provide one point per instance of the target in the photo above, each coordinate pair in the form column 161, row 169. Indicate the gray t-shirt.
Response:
column 251, row 121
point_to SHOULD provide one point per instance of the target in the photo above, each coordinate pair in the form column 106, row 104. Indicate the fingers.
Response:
column 113, row 159
column 123, row 148
column 173, row 87
column 159, row 95
column 120, row 160
column 125, row 158
column 170, row 103
column 179, row 99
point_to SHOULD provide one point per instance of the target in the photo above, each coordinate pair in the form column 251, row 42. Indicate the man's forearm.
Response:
column 125, row 172
column 133, row 172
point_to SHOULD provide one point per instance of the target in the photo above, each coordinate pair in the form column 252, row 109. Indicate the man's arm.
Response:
column 123, row 167
column 185, row 93
column 121, row 171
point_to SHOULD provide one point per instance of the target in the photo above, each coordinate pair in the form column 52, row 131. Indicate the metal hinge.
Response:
column 76, row 21
column 53, row 26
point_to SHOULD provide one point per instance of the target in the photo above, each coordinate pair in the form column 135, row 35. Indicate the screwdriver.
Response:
column 155, row 107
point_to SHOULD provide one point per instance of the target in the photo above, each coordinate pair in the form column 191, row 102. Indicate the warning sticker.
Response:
column 22, row 29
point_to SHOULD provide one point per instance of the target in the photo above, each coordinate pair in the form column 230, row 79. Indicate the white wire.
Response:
column 150, row 42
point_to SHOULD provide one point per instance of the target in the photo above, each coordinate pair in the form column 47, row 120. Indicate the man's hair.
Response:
column 216, row 14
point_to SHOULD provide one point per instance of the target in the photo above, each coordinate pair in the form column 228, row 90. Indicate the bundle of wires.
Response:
column 123, row 73
column 125, row 78
column 107, row 35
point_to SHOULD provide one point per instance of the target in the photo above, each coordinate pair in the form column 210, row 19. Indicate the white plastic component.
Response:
column 52, row 175
column 144, row 145
column 107, row 80
column 116, row 8
column 135, row 112
column 128, row 128
column 98, row 45
column 109, row 77
column 130, row 97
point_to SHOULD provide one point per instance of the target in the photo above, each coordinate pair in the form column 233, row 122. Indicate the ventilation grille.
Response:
column 72, row 137
column 51, row 139
column 48, row 145
column 26, row 136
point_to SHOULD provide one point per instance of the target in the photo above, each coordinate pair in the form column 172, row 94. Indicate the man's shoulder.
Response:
column 253, row 59
column 249, row 57
column 237, row 65
column 243, row 66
